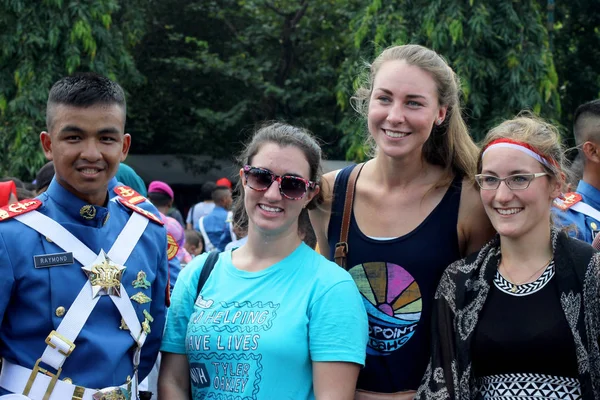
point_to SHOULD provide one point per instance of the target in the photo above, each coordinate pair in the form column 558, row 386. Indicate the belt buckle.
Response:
column 66, row 341
column 53, row 378
column 112, row 393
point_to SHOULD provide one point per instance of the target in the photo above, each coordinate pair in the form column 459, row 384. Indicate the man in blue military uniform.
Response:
column 580, row 209
column 213, row 227
column 85, row 265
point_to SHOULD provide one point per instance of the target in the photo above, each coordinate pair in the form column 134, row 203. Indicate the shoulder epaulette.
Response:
column 567, row 200
column 140, row 210
column 127, row 193
column 18, row 208
column 172, row 247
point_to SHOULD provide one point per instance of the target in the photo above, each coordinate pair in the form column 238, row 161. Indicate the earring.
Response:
column 439, row 121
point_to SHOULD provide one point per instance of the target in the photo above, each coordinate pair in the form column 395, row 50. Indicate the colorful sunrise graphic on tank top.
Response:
column 393, row 302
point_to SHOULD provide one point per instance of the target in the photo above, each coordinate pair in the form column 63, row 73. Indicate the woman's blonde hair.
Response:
column 449, row 144
column 542, row 136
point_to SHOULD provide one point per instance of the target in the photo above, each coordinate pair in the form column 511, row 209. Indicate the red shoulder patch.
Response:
column 127, row 193
column 18, row 208
column 140, row 210
column 567, row 200
column 172, row 247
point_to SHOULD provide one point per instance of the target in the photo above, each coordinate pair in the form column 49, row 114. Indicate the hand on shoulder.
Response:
column 319, row 216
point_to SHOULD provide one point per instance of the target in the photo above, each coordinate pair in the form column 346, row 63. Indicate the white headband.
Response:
column 519, row 147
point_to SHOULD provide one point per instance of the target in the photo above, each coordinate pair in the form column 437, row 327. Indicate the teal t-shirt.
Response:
column 254, row 335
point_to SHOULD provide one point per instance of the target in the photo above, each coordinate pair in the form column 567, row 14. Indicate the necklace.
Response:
column 515, row 283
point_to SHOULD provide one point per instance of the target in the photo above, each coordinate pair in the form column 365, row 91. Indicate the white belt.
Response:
column 14, row 377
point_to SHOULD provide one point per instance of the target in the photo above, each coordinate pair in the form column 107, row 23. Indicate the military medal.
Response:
column 105, row 276
column 141, row 282
column 112, row 393
column 146, row 323
column 123, row 326
column 141, row 298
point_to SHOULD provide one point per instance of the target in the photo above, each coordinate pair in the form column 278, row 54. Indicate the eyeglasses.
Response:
column 514, row 182
column 290, row 186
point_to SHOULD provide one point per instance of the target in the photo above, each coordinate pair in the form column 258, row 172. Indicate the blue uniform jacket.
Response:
column 215, row 225
column 103, row 355
column 584, row 227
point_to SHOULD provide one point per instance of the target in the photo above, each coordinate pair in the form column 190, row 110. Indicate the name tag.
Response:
column 53, row 260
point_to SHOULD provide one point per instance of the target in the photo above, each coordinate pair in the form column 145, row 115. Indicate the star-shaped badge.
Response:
column 105, row 276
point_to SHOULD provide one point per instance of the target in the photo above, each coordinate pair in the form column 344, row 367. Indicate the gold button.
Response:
column 60, row 311
column 68, row 380
column 593, row 225
column 48, row 239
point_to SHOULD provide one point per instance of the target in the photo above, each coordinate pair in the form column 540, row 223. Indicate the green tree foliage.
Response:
column 576, row 43
column 45, row 40
column 500, row 50
column 216, row 68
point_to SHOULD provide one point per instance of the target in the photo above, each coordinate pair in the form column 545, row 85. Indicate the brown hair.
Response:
column 283, row 135
column 449, row 144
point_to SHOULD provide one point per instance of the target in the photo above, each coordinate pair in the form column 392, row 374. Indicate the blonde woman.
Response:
column 415, row 211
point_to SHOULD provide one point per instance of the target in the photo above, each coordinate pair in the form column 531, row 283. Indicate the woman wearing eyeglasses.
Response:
column 274, row 320
column 520, row 319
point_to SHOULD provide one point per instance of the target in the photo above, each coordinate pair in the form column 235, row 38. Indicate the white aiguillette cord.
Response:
column 84, row 304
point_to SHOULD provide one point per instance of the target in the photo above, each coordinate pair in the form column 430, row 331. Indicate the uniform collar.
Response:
column 113, row 183
column 590, row 194
column 220, row 209
column 76, row 208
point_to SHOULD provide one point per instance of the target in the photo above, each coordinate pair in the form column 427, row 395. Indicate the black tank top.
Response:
column 397, row 279
column 524, row 332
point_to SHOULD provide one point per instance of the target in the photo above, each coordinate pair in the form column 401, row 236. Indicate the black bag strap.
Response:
column 209, row 265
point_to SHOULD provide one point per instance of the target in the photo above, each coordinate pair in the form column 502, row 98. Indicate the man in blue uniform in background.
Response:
column 85, row 265
column 214, row 227
column 580, row 209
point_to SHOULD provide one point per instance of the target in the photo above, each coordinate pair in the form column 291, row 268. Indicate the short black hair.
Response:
column 220, row 193
column 207, row 189
column 84, row 90
column 44, row 176
column 589, row 109
column 160, row 199
column 23, row 194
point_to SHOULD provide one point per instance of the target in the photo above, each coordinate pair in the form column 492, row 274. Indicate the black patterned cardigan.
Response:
column 461, row 295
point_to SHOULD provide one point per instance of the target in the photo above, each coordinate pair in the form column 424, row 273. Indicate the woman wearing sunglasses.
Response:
column 274, row 320
column 520, row 318
column 415, row 211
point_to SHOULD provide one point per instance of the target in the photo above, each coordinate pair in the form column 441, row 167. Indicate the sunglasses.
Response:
column 290, row 186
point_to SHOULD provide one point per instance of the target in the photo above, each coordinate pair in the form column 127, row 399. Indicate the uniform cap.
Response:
column 161, row 187
column 224, row 182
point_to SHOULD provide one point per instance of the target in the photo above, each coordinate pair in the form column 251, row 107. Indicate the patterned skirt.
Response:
column 527, row 386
